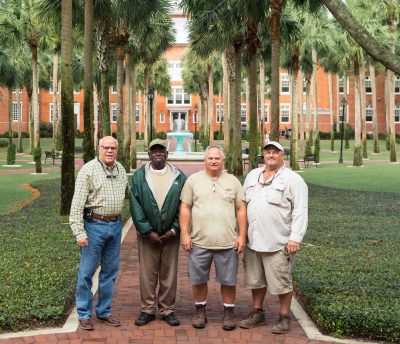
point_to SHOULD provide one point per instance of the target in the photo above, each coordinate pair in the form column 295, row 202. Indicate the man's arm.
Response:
column 241, row 218
column 184, row 223
column 78, row 203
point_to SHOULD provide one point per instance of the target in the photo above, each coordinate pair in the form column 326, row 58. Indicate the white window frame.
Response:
column 397, row 113
column 138, row 114
column 51, row 111
column 284, row 107
column 195, row 117
column 15, row 90
column 243, row 110
column 113, row 110
column 77, row 90
column 368, row 84
column 284, row 82
column 266, row 113
column 219, row 112
column 348, row 87
column 175, row 70
column 178, row 91
column 369, row 113
column 162, row 117
column 397, row 85
column 14, row 111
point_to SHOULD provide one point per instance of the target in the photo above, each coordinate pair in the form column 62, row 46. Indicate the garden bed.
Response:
column 38, row 263
column 347, row 274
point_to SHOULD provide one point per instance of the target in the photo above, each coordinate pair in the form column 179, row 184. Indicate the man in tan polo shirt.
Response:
column 213, row 202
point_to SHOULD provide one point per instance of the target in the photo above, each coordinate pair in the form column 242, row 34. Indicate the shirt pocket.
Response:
column 275, row 194
column 249, row 193
column 229, row 195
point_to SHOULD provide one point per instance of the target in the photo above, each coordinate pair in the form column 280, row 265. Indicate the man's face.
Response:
column 108, row 151
column 214, row 162
column 158, row 156
column 273, row 157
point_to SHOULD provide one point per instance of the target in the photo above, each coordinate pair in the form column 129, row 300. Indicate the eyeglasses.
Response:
column 109, row 148
column 110, row 174
column 267, row 183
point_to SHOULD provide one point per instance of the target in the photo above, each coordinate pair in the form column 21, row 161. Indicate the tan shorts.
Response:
column 268, row 269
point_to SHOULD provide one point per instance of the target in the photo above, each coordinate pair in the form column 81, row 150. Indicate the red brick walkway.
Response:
column 126, row 307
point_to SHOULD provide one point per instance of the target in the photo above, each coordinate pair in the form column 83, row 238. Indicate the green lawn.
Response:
column 371, row 177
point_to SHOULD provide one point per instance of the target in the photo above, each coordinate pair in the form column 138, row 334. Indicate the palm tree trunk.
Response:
column 35, row 98
column 357, row 160
column 129, row 108
column 274, row 21
column 133, row 161
column 226, row 100
column 308, row 108
column 387, row 110
column 374, row 112
column 210, row 106
column 363, row 107
column 120, row 118
column 67, row 109
column 236, row 142
column 55, row 103
column 330, row 92
column 315, row 93
column 295, row 130
column 88, row 148
column 301, row 112
column 20, row 148
column 262, row 103
column 10, row 116
column 252, row 109
column 96, row 116
column 392, row 128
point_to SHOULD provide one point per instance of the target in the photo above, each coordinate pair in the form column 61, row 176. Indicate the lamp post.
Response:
column 343, row 104
column 150, row 97
column 196, row 108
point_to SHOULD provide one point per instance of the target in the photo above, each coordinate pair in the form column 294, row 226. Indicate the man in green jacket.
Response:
column 155, row 200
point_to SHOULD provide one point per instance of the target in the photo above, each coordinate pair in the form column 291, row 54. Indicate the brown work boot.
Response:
column 282, row 325
column 254, row 318
column 229, row 321
column 200, row 318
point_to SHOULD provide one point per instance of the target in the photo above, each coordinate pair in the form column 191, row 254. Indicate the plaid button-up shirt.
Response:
column 97, row 188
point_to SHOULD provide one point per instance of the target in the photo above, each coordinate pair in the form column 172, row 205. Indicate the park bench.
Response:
column 306, row 160
column 51, row 155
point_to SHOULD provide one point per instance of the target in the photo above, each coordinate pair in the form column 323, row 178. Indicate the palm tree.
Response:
column 67, row 109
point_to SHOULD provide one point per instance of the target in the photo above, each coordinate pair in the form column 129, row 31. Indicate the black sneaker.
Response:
column 144, row 318
column 171, row 319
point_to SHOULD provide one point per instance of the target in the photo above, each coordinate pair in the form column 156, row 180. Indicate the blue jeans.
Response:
column 104, row 247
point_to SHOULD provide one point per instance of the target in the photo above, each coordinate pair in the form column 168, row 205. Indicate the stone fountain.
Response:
column 179, row 134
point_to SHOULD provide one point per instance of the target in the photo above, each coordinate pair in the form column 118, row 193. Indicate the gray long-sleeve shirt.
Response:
column 277, row 212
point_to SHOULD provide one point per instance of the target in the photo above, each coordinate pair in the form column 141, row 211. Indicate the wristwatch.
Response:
column 173, row 231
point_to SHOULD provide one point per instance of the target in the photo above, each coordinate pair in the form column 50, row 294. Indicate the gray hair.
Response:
column 216, row 147
column 108, row 137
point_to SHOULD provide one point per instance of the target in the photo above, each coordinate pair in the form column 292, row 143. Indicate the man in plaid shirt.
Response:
column 96, row 223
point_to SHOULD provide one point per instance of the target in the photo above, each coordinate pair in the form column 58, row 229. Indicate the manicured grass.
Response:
column 347, row 272
column 12, row 189
column 371, row 177
column 38, row 263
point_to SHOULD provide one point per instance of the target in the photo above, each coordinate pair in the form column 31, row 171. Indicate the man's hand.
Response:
column 240, row 244
column 154, row 238
column 83, row 242
column 167, row 236
column 186, row 242
column 292, row 247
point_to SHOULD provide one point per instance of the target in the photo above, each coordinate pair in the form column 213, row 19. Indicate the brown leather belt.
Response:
column 106, row 218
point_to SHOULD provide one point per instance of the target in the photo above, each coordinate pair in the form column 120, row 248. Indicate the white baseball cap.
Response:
column 275, row 144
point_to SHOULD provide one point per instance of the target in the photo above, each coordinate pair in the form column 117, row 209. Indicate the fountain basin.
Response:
column 180, row 136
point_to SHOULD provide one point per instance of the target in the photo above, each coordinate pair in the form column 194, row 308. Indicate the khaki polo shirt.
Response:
column 213, row 209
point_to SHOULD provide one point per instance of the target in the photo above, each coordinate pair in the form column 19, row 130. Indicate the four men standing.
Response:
column 212, row 226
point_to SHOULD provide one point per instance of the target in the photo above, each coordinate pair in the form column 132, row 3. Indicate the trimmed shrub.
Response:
column 11, row 154
column 46, row 129
column 3, row 143
column 161, row 135
column 317, row 149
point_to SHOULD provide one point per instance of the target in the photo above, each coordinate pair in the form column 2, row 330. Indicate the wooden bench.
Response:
column 51, row 155
column 306, row 160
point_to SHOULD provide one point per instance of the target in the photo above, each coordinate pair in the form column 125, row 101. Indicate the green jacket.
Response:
column 144, row 209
